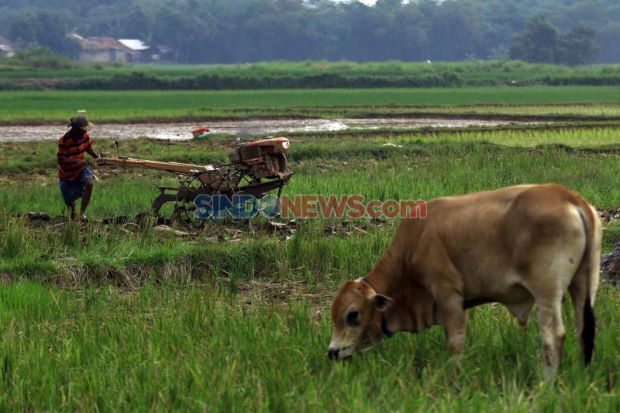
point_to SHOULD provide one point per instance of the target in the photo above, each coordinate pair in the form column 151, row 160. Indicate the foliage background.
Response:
column 240, row 31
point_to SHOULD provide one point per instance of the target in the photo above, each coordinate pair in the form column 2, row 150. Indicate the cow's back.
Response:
column 486, row 243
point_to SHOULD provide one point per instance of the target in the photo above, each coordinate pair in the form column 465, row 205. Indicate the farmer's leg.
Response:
column 71, row 206
column 69, row 196
column 86, row 194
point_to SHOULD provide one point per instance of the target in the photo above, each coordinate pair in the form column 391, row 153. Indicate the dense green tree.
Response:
column 237, row 31
column 578, row 46
column 538, row 43
column 42, row 29
column 542, row 42
column 456, row 29
column 608, row 41
column 186, row 28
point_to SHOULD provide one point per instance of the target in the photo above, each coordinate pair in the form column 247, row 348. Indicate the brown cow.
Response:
column 518, row 246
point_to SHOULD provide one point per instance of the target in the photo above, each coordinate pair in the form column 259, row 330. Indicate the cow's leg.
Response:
column 521, row 311
column 552, row 332
column 454, row 320
column 577, row 289
column 584, row 317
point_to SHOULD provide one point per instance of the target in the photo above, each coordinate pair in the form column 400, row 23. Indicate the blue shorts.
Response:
column 72, row 190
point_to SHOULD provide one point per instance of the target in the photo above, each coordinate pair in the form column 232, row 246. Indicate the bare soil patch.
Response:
column 252, row 127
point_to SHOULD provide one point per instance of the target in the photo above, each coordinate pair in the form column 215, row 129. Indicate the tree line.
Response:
column 239, row 31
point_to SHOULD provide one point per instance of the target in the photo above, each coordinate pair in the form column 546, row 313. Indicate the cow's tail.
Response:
column 585, row 283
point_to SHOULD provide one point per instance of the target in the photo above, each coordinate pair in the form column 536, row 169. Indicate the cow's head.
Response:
column 358, row 319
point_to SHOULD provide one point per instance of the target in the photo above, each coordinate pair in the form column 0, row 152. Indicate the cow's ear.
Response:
column 381, row 302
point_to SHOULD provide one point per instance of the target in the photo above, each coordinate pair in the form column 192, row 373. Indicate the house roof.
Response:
column 100, row 43
column 134, row 44
column 109, row 43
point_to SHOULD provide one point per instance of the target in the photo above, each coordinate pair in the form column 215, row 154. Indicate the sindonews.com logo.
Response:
column 245, row 206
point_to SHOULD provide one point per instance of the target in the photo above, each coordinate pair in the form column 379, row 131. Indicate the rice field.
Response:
column 118, row 317
column 157, row 106
column 189, row 347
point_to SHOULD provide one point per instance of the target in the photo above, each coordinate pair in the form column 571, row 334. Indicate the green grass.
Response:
column 469, row 71
column 474, row 69
column 197, row 348
column 423, row 168
column 39, row 157
column 120, row 318
column 48, row 106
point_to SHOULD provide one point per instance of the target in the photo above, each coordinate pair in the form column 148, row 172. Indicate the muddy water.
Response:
column 182, row 131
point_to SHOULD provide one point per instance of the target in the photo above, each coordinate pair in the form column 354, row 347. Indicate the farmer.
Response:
column 76, row 179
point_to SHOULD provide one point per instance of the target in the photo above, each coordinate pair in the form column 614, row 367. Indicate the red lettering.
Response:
column 308, row 209
column 373, row 209
column 355, row 205
column 390, row 209
column 413, row 209
column 288, row 208
column 332, row 208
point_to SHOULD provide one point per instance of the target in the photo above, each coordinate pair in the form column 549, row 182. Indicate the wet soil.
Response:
column 253, row 127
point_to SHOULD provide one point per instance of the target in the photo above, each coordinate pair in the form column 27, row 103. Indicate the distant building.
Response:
column 110, row 50
column 163, row 53
column 145, row 53
column 6, row 48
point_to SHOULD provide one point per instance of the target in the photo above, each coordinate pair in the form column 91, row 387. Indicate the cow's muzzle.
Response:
column 335, row 353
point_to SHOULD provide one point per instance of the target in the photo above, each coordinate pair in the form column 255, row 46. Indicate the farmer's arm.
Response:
column 92, row 153
column 89, row 149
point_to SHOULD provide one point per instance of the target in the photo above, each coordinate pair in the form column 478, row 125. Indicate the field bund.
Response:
column 182, row 131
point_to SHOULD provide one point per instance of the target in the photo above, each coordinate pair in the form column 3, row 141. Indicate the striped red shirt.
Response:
column 70, row 156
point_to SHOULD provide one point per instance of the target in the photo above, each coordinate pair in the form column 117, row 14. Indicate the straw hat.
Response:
column 81, row 122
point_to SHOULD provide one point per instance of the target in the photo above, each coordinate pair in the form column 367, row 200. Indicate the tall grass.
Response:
column 148, row 105
column 319, row 74
column 119, row 318
column 417, row 170
column 191, row 348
